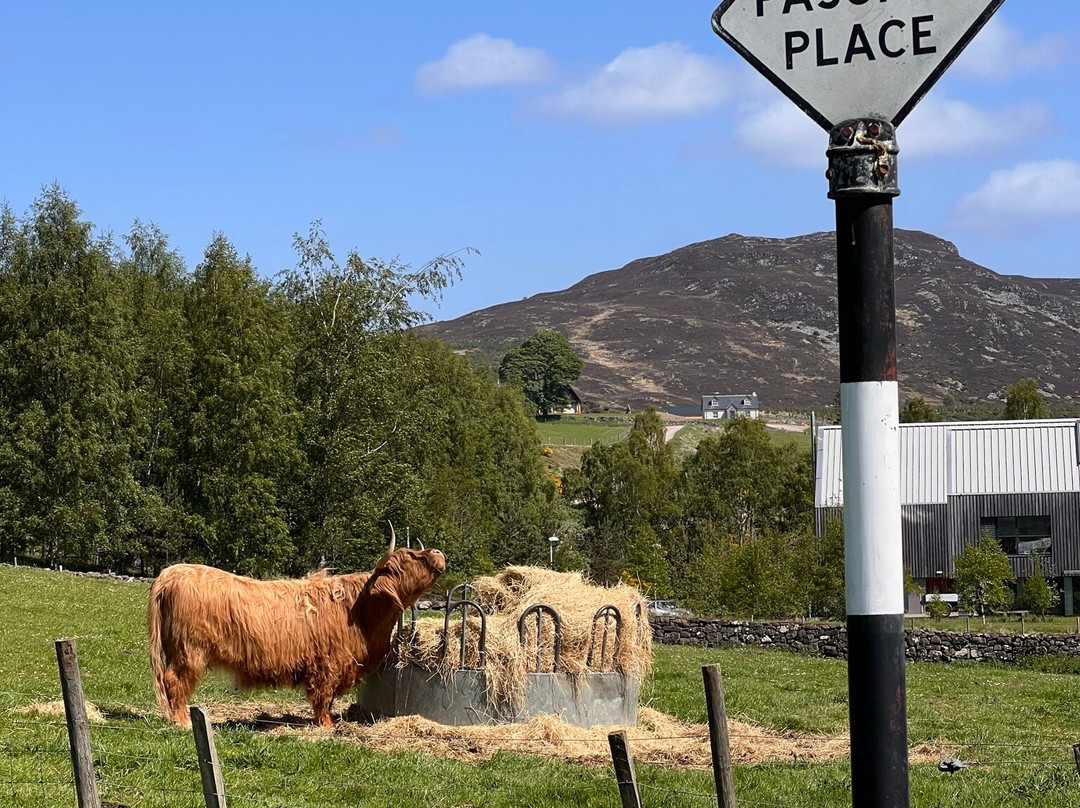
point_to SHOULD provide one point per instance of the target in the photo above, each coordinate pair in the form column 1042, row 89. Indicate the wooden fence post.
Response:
column 718, row 736
column 624, row 770
column 1076, row 756
column 82, row 760
column 213, row 784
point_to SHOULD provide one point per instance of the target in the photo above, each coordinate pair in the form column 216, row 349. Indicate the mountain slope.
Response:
column 740, row 314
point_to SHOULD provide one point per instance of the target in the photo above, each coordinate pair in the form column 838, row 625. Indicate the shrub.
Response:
column 982, row 573
column 937, row 608
column 1037, row 594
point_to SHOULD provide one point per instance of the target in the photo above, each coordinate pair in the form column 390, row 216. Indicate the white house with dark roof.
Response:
column 716, row 406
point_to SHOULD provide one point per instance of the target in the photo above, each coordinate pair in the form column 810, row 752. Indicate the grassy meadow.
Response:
column 582, row 430
column 1016, row 723
column 1004, row 624
column 685, row 441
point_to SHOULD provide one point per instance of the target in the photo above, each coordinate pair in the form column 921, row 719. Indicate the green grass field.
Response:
column 1018, row 722
column 582, row 430
column 686, row 439
column 1009, row 624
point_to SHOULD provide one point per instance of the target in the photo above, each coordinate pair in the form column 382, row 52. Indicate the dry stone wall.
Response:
column 923, row 645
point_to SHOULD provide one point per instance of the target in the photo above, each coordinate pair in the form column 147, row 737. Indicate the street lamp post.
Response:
column 552, row 541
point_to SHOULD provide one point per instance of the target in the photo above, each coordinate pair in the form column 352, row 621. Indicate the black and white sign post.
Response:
column 858, row 67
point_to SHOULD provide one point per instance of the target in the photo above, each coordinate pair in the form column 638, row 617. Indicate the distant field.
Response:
column 1003, row 625
column 781, row 437
column 582, row 430
column 686, row 439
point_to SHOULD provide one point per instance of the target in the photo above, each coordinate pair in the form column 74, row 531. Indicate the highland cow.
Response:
column 322, row 632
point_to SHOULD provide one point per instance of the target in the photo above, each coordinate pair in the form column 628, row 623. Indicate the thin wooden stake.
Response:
column 213, row 784
column 1076, row 756
column 718, row 736
column 82, row 759
column 624, row 770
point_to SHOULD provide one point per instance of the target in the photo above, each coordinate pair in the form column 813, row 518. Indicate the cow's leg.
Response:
column 321, row 696
column 181, row 679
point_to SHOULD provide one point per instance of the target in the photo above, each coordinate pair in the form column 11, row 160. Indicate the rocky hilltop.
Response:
column 741, row 314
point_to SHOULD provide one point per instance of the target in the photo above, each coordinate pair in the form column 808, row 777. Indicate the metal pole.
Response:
column 863, row 181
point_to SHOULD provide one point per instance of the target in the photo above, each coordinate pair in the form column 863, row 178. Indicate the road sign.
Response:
column 844, row 59
column 858, row 67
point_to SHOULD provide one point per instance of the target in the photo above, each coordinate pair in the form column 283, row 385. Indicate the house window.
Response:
column 1018, row 535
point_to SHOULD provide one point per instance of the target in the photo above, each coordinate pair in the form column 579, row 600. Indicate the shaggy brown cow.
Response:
column 323, row 632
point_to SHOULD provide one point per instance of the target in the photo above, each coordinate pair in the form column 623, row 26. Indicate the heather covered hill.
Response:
column 757, row 314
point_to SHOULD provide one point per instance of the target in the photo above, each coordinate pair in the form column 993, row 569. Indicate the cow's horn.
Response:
column 393, row 537
column 421, row 543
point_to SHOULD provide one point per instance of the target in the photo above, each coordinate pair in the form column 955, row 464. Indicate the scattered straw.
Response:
column 505, row 597
column 658, row 739
column 55, row 709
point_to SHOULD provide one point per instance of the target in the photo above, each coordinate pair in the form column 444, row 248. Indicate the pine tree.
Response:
column 67, row 389
column 240, row 442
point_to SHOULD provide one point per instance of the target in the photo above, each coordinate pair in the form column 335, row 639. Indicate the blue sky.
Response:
column 559, row 138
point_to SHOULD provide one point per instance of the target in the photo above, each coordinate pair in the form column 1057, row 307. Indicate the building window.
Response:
column 1018, row 535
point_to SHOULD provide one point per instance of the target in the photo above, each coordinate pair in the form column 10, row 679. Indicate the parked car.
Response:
column 667, row 608
column 950, row 599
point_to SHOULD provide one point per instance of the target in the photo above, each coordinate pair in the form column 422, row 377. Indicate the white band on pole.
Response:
column 872, row 525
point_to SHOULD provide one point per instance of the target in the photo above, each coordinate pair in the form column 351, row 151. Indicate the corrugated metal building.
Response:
column 1016, row 481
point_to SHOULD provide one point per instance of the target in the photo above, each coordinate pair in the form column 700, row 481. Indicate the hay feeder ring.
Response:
column 602, row 696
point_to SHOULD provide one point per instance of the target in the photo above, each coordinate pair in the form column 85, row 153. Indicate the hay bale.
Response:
column 504, row 598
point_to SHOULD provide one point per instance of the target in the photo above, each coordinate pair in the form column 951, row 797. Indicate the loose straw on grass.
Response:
column 658, row 738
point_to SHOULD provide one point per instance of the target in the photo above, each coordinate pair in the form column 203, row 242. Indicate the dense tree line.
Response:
column 150, row 413
column 729, row 530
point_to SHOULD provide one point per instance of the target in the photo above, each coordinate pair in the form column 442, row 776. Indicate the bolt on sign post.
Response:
column 857, row 68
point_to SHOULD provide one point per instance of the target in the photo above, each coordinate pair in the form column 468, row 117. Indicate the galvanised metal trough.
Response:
column 459, row 696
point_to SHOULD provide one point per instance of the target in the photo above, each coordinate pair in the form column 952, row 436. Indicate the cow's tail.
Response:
column 157, row 651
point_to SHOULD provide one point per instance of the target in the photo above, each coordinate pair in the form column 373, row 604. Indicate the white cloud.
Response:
column 483, row 61
column 1022, row 198
column 780, row 134
column 942, row 126
column 641, row 84
column 999, row 52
